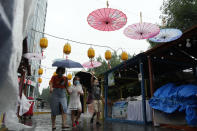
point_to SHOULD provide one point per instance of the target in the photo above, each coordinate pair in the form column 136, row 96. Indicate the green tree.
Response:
column 180, row 14
column 45, row 94
column 115, row 60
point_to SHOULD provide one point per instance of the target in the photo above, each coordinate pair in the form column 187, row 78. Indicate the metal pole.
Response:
column 143, row 92
column 106, row 92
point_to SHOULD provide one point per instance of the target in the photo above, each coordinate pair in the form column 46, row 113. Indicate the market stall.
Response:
column 127, row 92
column 172, row 74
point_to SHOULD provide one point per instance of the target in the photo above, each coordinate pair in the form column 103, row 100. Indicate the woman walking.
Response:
column 75, row 92
column 58, row 88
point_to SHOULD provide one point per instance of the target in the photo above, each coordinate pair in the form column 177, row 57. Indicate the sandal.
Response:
column 77, row 123
column 74, row 125
column 66, row 126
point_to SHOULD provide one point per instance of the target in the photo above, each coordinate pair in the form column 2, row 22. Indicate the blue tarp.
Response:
column 170, row 98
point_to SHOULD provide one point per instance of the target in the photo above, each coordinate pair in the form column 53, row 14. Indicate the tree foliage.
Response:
column 115, row 60
column 45, row 95
column 180, row 14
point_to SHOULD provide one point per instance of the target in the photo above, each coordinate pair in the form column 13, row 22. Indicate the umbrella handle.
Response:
column 140, row 17
column 107, row 4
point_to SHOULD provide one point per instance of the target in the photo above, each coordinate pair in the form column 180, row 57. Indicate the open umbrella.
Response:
column 107, row 19
column 85, row 78
column 92, row 64
column 33, row 56
column 142, row 30
column 167, row 35
column 67, row 64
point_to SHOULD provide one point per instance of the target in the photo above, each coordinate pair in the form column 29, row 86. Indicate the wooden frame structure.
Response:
column 162, row 59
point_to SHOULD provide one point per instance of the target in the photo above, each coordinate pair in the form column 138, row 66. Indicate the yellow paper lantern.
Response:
column 43, row 43
column 69, row 84
column 40, row 71
column 108, row 55
column 124, row 55
column 91, row 53
column 67, row 49
column 69, row 76
column 39, row 80
column 54, row 74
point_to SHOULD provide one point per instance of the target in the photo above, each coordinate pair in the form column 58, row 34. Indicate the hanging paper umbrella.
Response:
column 167, row 35
column 34, row 56
column 92, row 64
column 107, row 19
column 142, row 30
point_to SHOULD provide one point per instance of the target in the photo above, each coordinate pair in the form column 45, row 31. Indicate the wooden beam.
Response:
column 151, row 76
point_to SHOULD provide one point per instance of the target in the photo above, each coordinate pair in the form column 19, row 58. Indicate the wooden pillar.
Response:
column 150, row 67
column 151, row 76
column 143, row 92
column 106, row 92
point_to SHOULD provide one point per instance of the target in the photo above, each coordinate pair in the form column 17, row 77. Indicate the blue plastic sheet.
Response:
column 170, row 98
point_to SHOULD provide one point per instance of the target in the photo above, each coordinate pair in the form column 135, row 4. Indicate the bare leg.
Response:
column 73, row 116
column 92, row 119
column 53, row 121
column 78, row 115
column 63, row 118
column 98, row 116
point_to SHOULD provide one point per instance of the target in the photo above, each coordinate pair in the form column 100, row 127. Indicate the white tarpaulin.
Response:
column 14, row 19
column 13, row 23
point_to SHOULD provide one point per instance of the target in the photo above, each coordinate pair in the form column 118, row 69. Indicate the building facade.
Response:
column 33, row 39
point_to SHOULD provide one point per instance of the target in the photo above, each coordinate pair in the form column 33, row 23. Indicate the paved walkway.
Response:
column 43, row 123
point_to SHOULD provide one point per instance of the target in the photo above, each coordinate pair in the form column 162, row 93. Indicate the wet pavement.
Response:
column 43, row 123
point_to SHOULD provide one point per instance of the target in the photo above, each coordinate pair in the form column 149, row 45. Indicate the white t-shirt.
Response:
column 74, row 101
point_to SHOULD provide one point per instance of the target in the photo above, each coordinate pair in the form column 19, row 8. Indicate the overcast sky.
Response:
column 68, row 19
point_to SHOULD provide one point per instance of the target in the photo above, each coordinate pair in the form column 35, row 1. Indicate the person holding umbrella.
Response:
column 58, row 88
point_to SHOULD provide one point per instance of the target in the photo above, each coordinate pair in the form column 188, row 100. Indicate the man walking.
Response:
column 96, row 96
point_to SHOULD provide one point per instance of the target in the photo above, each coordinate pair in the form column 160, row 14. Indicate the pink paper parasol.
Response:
column 141, row 31
column 92, row 64
column 107, row 19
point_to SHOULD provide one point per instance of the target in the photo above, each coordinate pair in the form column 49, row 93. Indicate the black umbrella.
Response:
column 85, row 79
